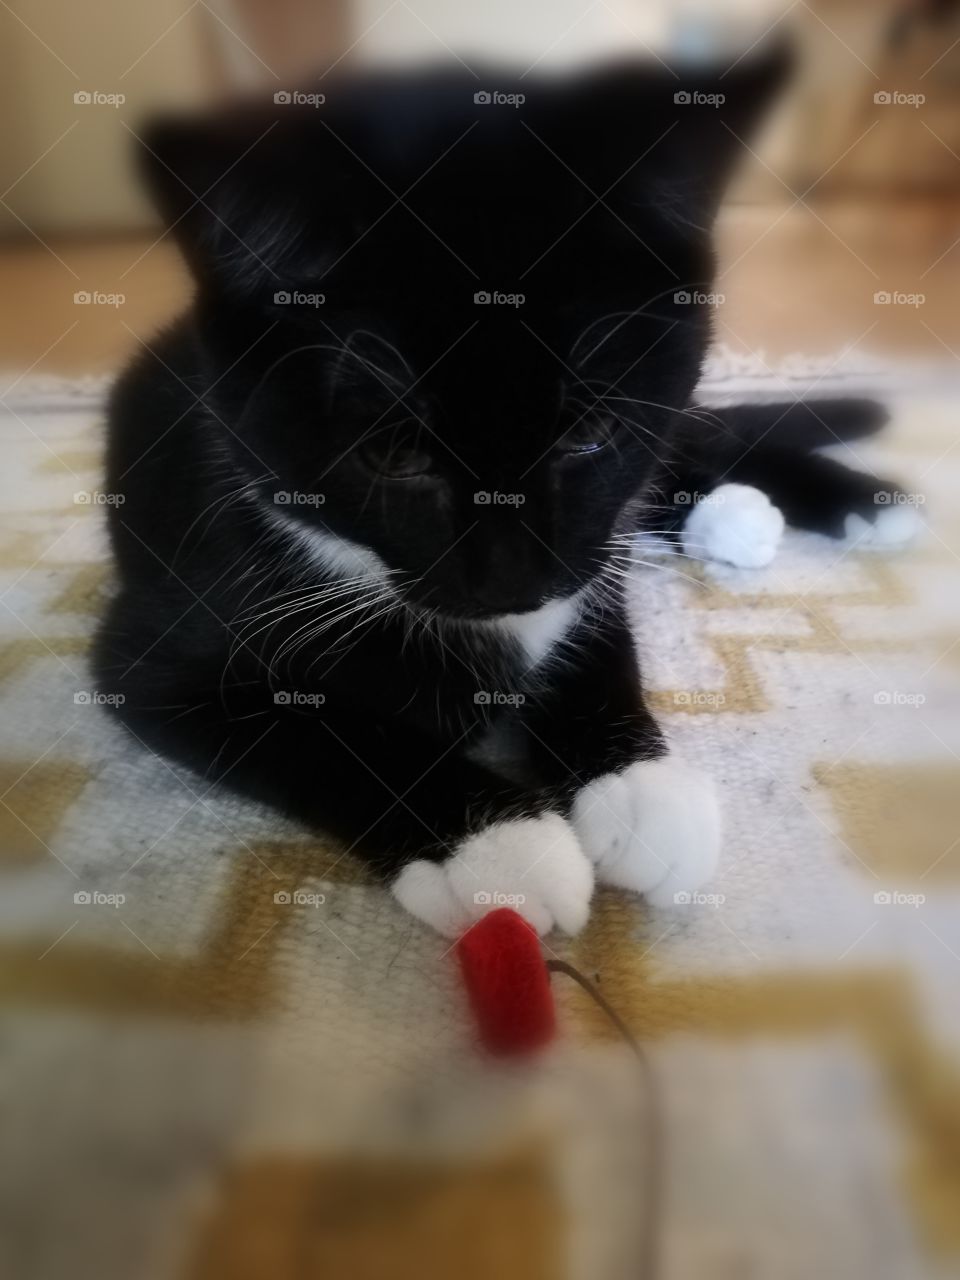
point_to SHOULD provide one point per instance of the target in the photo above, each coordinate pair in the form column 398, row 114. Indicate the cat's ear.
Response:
column 669, row 137
column 233, row 192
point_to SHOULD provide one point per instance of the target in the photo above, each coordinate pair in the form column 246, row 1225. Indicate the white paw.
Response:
column 655, row 828
column 892, row 527
column 534, row 865
column 735, row 523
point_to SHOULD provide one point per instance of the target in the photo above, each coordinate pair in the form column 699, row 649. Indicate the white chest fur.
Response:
column 538, row 631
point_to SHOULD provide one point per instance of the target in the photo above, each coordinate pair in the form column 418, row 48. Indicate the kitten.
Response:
column 380, row 480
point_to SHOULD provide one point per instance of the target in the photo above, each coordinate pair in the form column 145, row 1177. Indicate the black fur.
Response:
column 392, row 404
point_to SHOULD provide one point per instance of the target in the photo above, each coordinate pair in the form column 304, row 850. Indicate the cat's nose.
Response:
column 506, row 578
column 495, row 599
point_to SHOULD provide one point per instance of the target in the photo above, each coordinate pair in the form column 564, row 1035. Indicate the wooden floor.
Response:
column 792, row 279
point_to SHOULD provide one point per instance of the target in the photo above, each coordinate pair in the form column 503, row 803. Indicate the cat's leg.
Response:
column 824, row 496
column 452, row 838
column 732, row 492
column 648, row 821
column 740, row 520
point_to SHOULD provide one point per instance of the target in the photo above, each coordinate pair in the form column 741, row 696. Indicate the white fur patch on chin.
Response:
column 892, row 527
column 534, row 865
column 538, row 631
column 737, row 524
column 654, row 828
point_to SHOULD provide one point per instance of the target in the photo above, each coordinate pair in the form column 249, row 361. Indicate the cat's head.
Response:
column 444, row 321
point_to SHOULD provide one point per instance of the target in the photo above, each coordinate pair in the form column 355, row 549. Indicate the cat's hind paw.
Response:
column 736, row 524
column 891, row 528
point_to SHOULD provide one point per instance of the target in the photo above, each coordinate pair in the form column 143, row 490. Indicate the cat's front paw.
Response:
column 737, row 524
column 534, row 865
column 654, row 828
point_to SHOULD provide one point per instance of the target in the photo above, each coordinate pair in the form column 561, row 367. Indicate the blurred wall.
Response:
column 51, row 50
column 65, row 166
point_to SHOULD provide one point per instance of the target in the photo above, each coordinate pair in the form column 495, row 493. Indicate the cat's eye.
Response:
column 588, row 435
column 396, row 457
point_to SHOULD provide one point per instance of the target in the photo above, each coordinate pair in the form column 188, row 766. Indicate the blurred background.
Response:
column 854, row 188
column 199, row 1080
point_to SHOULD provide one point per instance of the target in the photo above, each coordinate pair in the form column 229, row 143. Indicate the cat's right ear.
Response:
column 232, row 191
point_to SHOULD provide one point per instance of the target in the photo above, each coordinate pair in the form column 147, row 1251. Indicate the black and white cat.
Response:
column 379, row 482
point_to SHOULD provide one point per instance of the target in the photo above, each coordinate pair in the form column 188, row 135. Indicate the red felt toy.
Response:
column 507, row 983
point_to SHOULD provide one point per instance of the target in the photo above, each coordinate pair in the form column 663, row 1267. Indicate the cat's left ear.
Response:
column 668, row 137
column 713, row 113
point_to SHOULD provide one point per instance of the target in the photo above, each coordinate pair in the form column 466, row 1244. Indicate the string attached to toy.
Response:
column 649, row 1226
column 508, row 984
